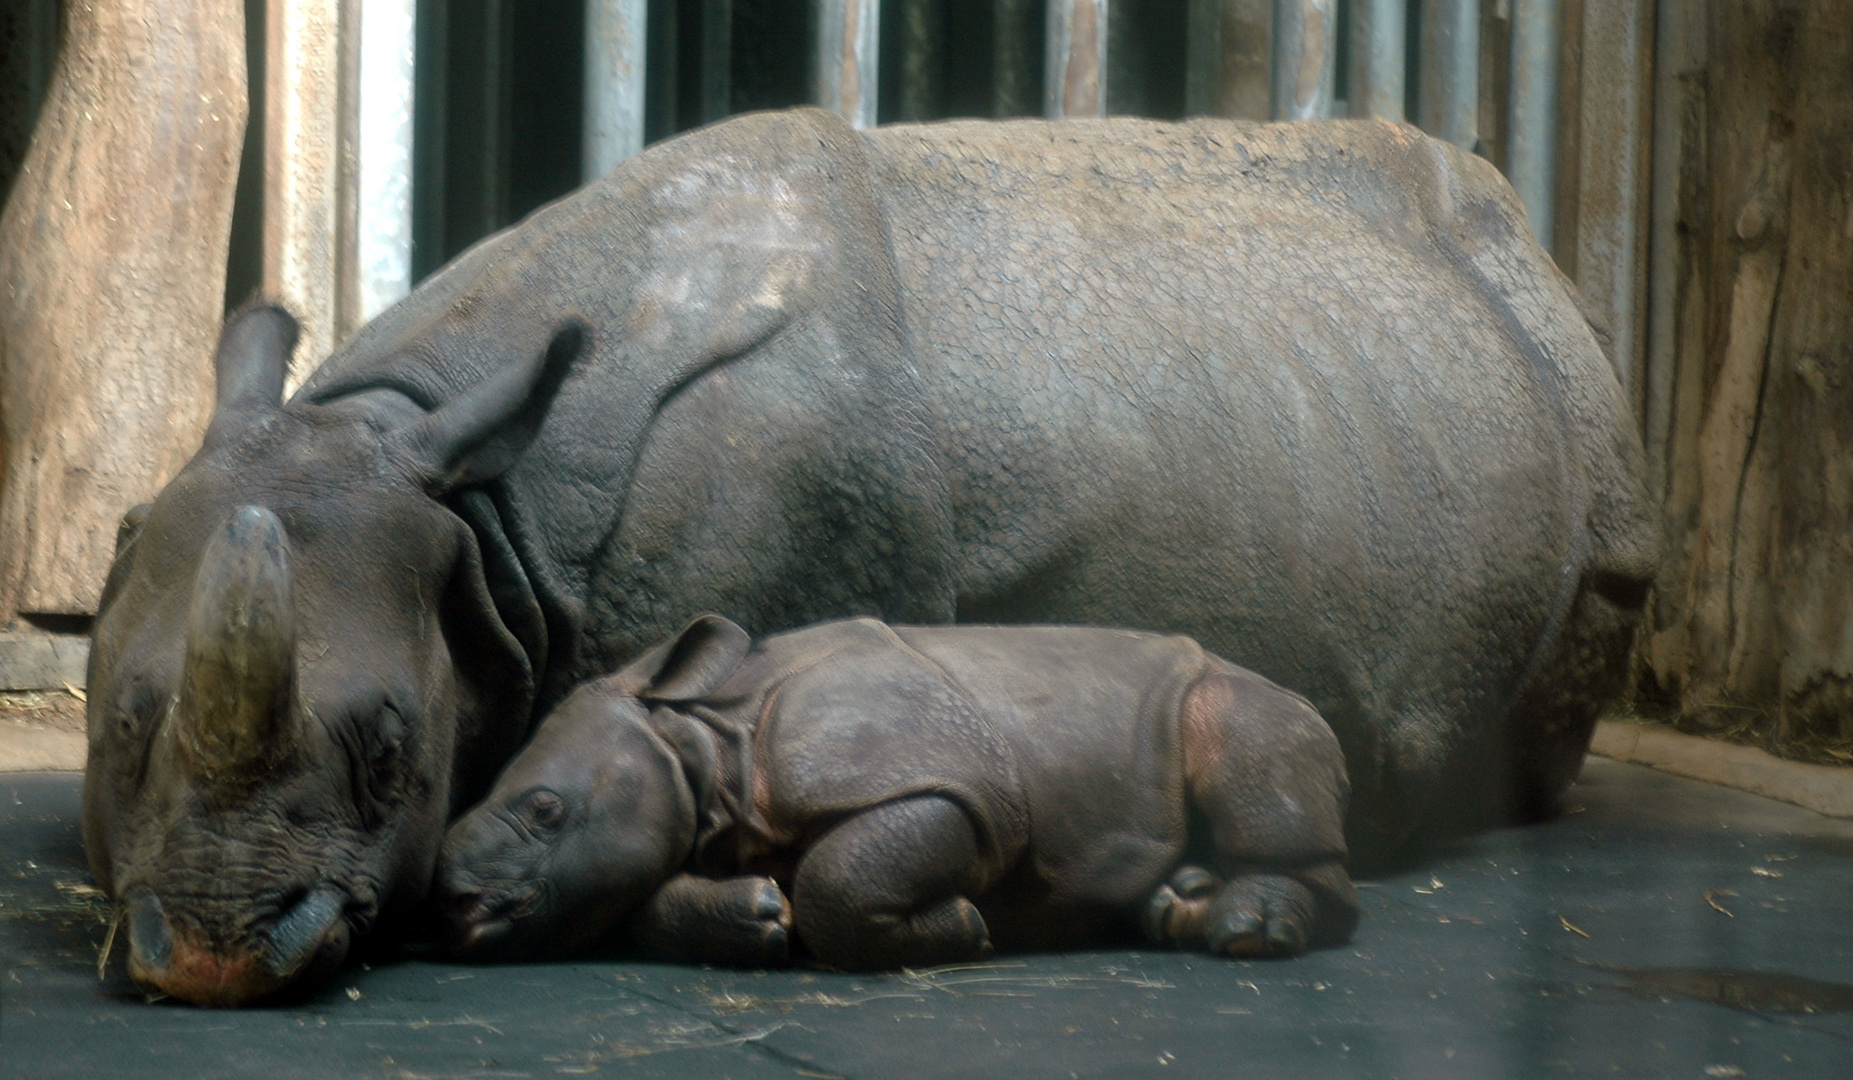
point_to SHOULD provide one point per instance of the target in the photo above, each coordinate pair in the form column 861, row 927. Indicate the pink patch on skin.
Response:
column 205, row 977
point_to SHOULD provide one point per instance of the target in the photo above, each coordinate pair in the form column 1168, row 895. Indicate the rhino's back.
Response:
column 1060, row 742
column 1091, row 719
column 1307, row 392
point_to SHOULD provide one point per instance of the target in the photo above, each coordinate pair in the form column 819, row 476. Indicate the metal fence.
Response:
column 391, row 134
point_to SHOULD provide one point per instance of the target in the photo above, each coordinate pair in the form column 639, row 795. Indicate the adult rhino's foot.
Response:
column 1260, row 914
column 309, row 939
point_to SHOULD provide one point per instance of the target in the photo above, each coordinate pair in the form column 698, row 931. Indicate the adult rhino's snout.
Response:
column 177, row 962
column 234, row 710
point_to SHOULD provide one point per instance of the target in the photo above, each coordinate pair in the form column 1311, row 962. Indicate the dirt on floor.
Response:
column 1744, row 726
column 54, row 710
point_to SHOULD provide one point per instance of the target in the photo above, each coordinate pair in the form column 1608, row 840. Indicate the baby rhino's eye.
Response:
column 543, row 810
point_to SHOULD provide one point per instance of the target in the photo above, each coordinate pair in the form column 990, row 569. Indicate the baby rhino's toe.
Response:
column 1176, row 912
column 762, row 920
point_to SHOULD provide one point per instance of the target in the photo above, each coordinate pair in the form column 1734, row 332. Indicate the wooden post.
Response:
column 844, row 72
column 112, row 283
column 302, row 170
column 1749, row 630
column 1075, row 73
column 1615, row 102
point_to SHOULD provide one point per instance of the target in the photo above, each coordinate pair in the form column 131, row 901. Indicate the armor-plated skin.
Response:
column 1308, row 393
column 891, row 778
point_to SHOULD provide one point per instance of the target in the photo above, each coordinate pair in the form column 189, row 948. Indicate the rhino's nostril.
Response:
column 151, row 944
column 302, row 930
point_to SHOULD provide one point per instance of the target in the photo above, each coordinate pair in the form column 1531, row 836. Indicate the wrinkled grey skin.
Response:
column 920, row 793
column 1308, row 393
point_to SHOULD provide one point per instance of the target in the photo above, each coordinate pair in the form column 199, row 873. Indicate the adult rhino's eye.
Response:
column 388, row 734
column 543, row 810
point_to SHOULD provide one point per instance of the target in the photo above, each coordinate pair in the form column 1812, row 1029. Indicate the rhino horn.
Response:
column 239, row 675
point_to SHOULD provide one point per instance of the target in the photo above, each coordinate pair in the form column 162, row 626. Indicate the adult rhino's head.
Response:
column 293, row 643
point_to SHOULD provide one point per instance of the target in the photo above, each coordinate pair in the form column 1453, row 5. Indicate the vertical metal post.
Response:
column 716, row 59
column 1074, row 79
column 1531, row 129
column 922, row 29
column 1379, row 57
column 302, row 170
column 1013, row 89
column 843, row 76
column 383, row 163
column 1448, row 98
column 613, row 118
column 1305, row 56
column 1202, row 57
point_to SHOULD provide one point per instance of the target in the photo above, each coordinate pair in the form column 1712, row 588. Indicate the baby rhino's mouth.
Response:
column 479, row 918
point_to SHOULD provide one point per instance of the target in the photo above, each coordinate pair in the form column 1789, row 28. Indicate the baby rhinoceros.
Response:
column 917, row 793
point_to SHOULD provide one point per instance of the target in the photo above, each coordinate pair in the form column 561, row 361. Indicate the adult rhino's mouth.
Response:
column 309, row 938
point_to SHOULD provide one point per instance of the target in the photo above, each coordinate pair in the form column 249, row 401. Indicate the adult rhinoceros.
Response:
column 1308, row 393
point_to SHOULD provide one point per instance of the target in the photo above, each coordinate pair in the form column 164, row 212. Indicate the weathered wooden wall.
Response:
column 1750, row 417
column 112, row 277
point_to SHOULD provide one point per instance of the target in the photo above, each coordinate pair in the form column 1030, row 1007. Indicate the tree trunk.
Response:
column 112, row 277
column 1752, row 627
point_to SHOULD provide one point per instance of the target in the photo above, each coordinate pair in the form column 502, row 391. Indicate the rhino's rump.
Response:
column 1306, row 393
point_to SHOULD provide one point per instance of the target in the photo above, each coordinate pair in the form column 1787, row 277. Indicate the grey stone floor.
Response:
column 1662, row 928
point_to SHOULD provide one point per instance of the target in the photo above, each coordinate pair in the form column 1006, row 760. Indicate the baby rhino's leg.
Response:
column 1266, row 773
column 888, row 887
column 739, row 921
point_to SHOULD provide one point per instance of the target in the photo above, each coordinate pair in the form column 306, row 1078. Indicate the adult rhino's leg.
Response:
column 1548, row 730
column 1265, row 773
column 888, row 888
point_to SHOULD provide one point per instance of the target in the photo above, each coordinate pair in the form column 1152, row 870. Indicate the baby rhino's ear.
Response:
column 688, row 666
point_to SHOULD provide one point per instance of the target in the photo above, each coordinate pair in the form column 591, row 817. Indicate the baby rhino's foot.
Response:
column 1176, row 913
column 740, row 921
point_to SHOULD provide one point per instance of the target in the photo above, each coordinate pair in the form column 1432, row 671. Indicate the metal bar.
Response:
column 1013, row 89
column 1448, row 98
column 844, row 75
column 383, row 236
column 1531, row 128
column 302, row 182
column 1612, row 174
column 922, row 39
column 1379, row 58
column 1679, row 55
column 614, row 65
column 1075, row 74
column 1202, row 57
column 1305, row 56
column 716, row 59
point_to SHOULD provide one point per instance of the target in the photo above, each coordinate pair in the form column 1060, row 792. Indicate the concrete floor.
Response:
column 1663, row 928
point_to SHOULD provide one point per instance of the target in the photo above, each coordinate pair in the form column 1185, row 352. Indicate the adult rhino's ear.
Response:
column 688, row 666
column 479, row 434
column 252, row 359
